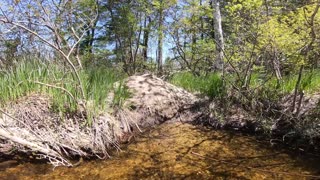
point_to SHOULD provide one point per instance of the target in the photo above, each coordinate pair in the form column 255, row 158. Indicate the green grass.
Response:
column 210, row 85
column 25, row 77
column 310, row 82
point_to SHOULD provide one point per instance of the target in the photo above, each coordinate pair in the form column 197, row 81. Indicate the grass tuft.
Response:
column 210, row 85
column 310, row 82
column 30, row 76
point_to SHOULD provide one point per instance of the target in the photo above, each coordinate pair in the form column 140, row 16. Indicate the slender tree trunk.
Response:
column 91, row 40
column 201, row 21
column 276, row 67
column 193, row 41
column 137, row 48
column 266, row 4
column 146, row 30
column 296, row 89
column 160, row 39
column 218, row 35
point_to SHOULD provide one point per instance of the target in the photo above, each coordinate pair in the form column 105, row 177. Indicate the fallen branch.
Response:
column 18, row 120
column 32, row 146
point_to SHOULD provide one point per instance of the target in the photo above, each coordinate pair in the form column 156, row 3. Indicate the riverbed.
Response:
column 182, row 151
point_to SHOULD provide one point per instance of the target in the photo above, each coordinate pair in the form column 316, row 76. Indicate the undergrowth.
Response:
column 212, row 86
column 30, row 76
column 310, row 82
column 209, row 85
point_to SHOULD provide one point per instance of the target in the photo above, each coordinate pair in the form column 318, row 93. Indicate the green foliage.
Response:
column 266, row 87
column 213, row 86
column 209, row 85
column 35, row 77
column 121, row 93
column 244, row 5
column 192, row 33
column 310, row 83
column 98, row 82
column 283, row 36
column 286, row 36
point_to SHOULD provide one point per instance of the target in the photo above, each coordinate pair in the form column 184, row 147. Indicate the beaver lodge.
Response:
column 29, row 125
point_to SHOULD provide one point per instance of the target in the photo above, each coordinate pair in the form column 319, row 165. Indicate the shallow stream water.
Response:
column 182, row 151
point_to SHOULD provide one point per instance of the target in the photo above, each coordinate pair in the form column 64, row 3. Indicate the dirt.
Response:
column 33, row 109
column 154, row 101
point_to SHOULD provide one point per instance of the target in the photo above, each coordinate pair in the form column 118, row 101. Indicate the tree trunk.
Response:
column 202, row 24
column 147, row 23
column 266, row 4
column 91, row 40
column 160, row 39
column 218, row 35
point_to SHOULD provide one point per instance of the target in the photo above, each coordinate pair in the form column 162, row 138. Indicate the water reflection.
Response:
column 182, row 151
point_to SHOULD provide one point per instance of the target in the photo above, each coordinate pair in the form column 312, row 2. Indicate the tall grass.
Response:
column 310, row 82
column 210, row 85
column 35, row 76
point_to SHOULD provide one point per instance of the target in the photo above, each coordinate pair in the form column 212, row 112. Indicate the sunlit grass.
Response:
column 310, row 82
column 210, row 85
column 267, row 86
column 37, row 77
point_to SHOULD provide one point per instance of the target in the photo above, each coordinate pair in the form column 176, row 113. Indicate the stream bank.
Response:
column 151, row 103
column 175, row 150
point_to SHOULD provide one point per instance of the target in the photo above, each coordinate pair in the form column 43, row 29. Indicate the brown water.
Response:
column 182, row 151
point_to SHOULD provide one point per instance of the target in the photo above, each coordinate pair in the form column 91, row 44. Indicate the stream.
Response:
column 182, row 151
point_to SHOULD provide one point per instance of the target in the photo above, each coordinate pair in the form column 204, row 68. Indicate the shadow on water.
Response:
column 182, row 151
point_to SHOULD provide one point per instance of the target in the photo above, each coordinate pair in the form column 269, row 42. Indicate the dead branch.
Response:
column 34, row 147
column 56, row 87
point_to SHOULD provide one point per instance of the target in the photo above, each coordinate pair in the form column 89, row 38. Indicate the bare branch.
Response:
column 56, row 87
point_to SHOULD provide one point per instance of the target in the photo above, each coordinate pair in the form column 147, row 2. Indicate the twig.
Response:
column 56, row 87
column 31, row 145
column 20, row 121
